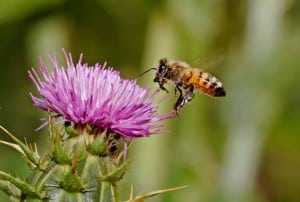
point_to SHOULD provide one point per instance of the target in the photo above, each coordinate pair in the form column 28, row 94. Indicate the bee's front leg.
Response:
column 161, row 86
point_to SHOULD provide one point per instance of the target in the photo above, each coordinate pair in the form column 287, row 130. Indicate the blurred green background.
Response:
column 245, row 147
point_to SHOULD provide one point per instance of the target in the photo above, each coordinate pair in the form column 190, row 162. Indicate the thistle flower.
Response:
column 97, row 96
column 84, row 164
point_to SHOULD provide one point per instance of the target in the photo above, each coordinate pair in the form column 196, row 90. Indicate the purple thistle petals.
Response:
column 97, row 96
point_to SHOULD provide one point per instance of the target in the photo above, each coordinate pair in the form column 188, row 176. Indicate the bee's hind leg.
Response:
column 189, row 93
column 181, row 101
column 178, row 87
column 184, row 98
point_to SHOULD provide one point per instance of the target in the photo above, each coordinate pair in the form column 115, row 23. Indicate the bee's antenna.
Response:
column 147, row 71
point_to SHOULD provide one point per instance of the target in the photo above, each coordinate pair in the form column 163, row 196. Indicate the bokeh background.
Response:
column 245, row 147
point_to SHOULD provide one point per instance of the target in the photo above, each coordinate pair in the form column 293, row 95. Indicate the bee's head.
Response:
column 161, row 70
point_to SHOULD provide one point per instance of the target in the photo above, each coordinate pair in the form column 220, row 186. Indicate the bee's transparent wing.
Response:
column 209, row 61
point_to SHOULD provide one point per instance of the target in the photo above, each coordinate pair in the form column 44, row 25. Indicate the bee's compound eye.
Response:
column 161, row 68
column 162, row 65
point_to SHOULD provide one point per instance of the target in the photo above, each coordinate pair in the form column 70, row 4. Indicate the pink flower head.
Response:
column 97, row 96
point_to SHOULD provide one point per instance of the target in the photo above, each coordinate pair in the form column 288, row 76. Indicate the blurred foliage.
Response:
column 245, row 147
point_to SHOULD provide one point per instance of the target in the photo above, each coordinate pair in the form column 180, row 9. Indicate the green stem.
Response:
column 10, row 189
column 108, row 192
column 22, row 185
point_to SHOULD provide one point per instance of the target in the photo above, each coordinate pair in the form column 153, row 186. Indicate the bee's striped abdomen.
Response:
column 207, row 83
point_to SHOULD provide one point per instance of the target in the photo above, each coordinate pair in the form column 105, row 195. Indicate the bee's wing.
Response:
column 209, row 61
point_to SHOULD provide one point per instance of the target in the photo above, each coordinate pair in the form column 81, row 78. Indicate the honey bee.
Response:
column 187, row 80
